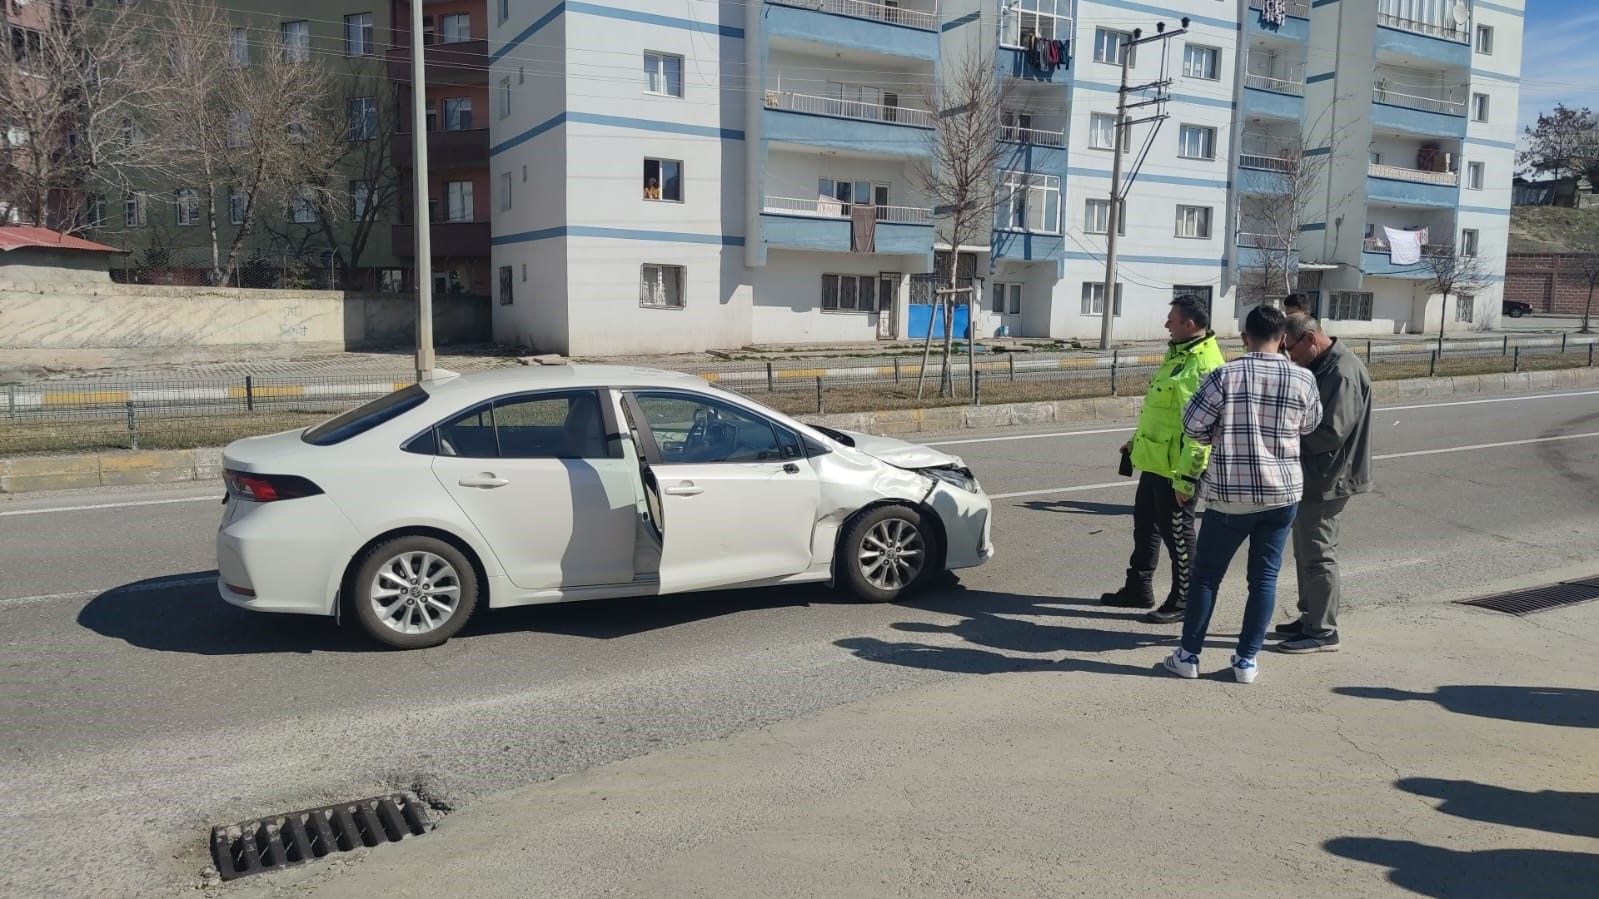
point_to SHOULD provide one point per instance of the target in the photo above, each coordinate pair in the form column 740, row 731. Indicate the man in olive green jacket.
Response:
column 1170, row 464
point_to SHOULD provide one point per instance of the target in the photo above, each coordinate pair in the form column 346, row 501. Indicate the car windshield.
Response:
column 367, row 417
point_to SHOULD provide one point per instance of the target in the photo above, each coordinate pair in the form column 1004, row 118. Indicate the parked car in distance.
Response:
column 571, row 482
column 1516, row 308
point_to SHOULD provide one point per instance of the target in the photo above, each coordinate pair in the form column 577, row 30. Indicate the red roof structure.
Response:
column 17, row 237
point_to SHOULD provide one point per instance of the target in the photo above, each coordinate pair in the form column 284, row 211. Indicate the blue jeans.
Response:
column 1219, row 539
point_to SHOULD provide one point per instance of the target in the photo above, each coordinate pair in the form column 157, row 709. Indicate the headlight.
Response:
column 956, row 477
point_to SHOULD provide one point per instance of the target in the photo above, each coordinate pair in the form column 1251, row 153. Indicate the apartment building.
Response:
column 22, row 27
column 677, row 175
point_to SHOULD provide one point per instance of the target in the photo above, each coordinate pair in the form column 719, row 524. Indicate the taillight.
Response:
column 268, row 488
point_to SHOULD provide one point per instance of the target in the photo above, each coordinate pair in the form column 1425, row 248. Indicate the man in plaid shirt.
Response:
column 1251, row 412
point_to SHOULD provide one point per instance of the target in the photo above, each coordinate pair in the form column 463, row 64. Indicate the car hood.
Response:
column 901, row 454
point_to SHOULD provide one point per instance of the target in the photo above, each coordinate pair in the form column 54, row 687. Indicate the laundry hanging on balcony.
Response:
column 1274, row 12
column 863, row 229
column 1404, row 247
column 1044, row 55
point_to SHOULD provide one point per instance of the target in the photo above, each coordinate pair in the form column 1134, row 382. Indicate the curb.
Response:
column 26, row 474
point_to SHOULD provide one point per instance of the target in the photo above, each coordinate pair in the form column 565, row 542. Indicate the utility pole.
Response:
column 424, row 224
column 1118, row 192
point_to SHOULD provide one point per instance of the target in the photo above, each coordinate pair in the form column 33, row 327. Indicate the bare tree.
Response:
column 1586, row 246
column 1450, row 273
column 960, row 178
column 243, row 124
column 75, row 95
column 1288, row 193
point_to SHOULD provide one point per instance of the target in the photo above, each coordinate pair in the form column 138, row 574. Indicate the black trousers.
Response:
column 1157, row 519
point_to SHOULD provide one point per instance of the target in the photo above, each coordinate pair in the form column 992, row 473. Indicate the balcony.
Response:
column 447, row 150
column 1256, row 250
column 1016, row 134
column 873, row 27
column 811, row 120
column 1412, row 187
column 1297, row 8
column 1276, row 85
column 448, row 239
column 1296, row 27
column 1448, row 31
column 825, row 225
column 1264, row 163
column 1277, row 98
column 457, row 63
column 1417, row 114
column 1375, row 260
column 1446, row 46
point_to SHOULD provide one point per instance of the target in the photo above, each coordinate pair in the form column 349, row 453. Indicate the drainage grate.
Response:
column 1538, row 599
column 270, row 844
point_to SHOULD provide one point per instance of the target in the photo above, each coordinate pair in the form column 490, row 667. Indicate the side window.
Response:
column 692, row 429
column 568, row 425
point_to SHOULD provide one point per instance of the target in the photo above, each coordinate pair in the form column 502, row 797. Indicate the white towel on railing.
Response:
column 1404, row 247
column 1275, row 12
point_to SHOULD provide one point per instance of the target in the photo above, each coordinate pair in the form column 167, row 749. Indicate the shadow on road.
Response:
column 1556, row 706
column 1551, row 811
column 1078, row 507
column 1492, row 874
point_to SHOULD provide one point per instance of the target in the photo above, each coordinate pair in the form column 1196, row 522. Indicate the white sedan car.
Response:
column 572, row 482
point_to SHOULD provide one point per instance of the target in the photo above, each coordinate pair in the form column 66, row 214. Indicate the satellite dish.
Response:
column 1461, row 14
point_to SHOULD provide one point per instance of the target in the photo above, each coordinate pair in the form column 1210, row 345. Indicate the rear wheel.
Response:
column 885, row 554
column 414, row 592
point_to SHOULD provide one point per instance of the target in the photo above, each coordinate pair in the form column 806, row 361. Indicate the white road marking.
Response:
column 169, row 584
column 214, row 498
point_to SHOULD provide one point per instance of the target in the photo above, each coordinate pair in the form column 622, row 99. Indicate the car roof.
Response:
column 492, row 382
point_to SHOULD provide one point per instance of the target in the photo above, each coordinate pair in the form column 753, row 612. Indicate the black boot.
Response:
column 1135, row 594
column 1173, row 609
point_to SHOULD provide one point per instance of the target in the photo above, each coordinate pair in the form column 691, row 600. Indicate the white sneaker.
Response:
column 1244, row 669
column 1182, row 664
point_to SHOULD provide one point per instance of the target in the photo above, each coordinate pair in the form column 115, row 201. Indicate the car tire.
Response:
column 885, row 554
column 1517, row 312
column 413, row 592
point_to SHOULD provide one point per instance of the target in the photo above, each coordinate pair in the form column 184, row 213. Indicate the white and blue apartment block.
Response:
column 678, row 175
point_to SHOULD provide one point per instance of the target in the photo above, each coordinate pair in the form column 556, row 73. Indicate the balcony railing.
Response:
column 818, row 207
column 1442, row 105
column 1279, row 85
column 1300, row 8
column 1019, row 135
column 1264, row 163
column 876, row 12
column 1378, row 245
column 1257, row 241
column 1448, row 31
column 1398, row 173
column 849, row 109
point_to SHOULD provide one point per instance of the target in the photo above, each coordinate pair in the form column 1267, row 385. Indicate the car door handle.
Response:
column 686, row 488
column 484, row 481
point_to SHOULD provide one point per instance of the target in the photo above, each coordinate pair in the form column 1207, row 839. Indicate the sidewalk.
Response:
column 1447, row 751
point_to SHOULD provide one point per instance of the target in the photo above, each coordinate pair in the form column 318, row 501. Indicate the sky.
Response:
column 1560, row 57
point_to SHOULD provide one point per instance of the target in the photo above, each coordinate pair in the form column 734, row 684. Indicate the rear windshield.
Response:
column 367, row 417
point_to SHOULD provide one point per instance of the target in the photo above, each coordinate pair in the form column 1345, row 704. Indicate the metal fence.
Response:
column 192, row 266
column 67, row 416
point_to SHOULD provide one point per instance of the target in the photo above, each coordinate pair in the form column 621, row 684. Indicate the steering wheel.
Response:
column 694, row 441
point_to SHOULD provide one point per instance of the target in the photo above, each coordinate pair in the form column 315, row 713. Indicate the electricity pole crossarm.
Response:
column 1118, row 191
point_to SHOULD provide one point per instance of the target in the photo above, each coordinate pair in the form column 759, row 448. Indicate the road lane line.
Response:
column 214, row 498
column 171, row 584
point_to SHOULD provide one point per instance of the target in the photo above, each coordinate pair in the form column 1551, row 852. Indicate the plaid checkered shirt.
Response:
column 1252, row 412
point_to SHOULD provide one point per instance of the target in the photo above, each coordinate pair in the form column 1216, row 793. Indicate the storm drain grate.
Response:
column 283, row 841
column 1539, row 599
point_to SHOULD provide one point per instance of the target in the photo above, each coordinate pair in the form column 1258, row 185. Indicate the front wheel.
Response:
column 414, row 592
column 884, row 554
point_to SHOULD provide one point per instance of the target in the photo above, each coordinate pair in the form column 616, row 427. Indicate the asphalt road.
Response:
column 138, row 709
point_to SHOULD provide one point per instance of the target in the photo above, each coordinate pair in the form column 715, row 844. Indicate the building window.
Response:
column 505, row 190
column 1046, row 19
column 1029, row 202
column 1094, row 298
column 188, row 206
column 524, row 271
column 363, row 116
column 238, row 205
column 850, row 293
column 458, row 114
column 1007, row 299
column 133, row 210
column 1111, row 46
column 1204, row 292
column 1476, row 174
column 504, row 7
column 238, row 129
column 296, row 38
column 455, row 28
column 1196, row 142
column 663, row 74
column 1096, row 218
column 239, row 48
column 391, row 280
column 359, row 36
column 847, row 193
column 505, row 97
column 1479, row 107
column 663, row 180
column 1485, row 40
column 1202, row 62
column 303, row 209
column 458, row 201
column 1468, row 242
column 660, row 286
column 360, row 199
column 1102, row 132
column 506, row 279
column 1194, row 222
column 1465, row 308
column 94, row 211
column 1349, row 305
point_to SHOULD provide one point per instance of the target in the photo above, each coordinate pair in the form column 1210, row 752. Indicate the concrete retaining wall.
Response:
column 123, row 468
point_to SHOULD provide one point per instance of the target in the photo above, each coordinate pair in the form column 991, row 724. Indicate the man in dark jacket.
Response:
column 1336, row 459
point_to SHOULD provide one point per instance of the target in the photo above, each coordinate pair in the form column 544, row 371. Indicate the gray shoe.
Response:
column 1291, row 630
column 1309, row 644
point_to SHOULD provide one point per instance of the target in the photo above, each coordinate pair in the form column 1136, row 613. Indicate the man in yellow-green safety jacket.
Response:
column 1170, row 465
